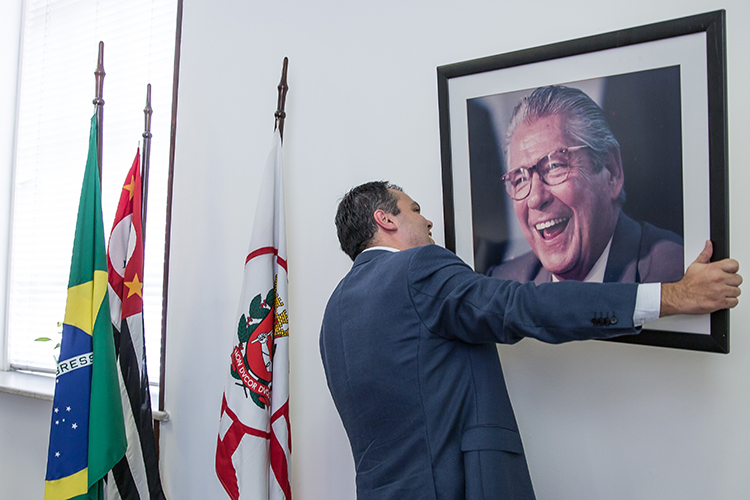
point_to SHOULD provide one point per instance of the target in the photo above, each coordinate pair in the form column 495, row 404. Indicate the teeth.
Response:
column 545, row 225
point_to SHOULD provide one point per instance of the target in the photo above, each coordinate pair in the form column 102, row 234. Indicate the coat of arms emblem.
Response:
column 252, row 358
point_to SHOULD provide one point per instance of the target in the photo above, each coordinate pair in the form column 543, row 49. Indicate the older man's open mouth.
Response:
column 553, row 227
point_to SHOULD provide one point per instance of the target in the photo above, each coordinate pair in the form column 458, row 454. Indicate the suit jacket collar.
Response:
column 626, row 246
column 369, row 255
column 543, row 276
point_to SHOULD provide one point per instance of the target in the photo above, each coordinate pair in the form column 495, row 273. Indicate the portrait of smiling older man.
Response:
column 565, row 177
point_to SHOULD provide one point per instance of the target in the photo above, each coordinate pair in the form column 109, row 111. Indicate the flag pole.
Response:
column 280, row 114
column 145, row 161
column 99, row 103
column 162, row 414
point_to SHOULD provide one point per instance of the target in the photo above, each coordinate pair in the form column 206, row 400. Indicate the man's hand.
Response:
column 705, row 288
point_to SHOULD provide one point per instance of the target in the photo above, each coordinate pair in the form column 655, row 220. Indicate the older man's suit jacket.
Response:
column 408, row 345
column 640, row 253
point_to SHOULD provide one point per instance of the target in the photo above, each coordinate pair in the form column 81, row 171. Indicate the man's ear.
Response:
column 384, row 220
column 613, row 165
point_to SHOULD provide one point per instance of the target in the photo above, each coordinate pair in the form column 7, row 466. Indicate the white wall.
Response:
column 24, row 435
column 599, row 420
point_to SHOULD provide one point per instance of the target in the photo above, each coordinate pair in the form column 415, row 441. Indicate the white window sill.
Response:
column 28, row 384
column 41, row 386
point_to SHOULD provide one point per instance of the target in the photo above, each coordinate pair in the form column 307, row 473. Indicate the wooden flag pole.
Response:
column 99, row 103
column 145, row 162
column 280, row 114
column 161, row 415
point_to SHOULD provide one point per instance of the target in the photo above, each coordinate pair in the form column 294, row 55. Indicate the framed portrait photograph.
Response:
column 598, row 159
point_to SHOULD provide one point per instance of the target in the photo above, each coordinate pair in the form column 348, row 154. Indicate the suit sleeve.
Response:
column 454, row 302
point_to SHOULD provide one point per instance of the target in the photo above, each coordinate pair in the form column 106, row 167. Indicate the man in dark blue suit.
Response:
column 408, row 345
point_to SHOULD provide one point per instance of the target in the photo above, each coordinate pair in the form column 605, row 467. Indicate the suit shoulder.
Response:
column 662, row 244
column 662, row 256
column 653, row 235
column 434, row 262
column 522, row 268
column 431, row 253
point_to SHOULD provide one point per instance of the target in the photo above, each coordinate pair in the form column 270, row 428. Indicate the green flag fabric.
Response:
column 87, row 433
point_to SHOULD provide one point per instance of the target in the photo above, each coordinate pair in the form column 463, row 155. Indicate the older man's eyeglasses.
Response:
column 553, row 169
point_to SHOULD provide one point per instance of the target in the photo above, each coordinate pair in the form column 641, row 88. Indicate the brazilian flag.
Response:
column 87, row 434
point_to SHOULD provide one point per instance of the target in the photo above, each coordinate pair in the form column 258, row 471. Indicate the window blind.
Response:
column 57, row 86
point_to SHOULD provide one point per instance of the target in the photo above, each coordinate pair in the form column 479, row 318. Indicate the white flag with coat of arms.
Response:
column 254, row 443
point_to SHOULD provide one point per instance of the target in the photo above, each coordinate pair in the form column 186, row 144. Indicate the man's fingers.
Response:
column 728, row 265
column 734, row 280
column 726, row 271
column 734, row 291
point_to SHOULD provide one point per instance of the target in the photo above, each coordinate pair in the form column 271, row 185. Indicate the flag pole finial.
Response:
column 99, row 105
column 280, row 114
column 99, row 75
column 145, row 159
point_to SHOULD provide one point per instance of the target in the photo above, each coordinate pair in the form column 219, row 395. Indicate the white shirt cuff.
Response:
column 647, row 303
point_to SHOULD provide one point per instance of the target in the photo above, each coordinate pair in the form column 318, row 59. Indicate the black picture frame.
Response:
column 697, row 46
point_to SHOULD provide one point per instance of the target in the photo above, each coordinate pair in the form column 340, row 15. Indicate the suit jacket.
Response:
column 408, row 346
column 640, row 253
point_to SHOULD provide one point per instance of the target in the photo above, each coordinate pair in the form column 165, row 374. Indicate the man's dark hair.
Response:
column 355, row 224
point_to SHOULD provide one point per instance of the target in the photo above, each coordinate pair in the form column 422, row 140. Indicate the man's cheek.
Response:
column 521, row 213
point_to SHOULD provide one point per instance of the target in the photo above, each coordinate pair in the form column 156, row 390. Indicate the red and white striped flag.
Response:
column 254, row 444
column 136, row 476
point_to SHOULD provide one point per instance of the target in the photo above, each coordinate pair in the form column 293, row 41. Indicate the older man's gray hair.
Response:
column 585, row 123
